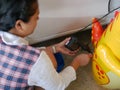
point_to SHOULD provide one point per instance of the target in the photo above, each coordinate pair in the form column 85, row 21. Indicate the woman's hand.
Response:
column 60, row 47
column 81, row 60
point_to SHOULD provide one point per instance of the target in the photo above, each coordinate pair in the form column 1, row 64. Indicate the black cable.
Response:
column 98, row 19
column 109, row 4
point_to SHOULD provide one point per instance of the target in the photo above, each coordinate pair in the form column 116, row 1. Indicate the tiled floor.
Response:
column 84, row 79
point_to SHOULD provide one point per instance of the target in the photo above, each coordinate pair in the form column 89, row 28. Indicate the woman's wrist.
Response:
column 54, row 49
column 75, row 64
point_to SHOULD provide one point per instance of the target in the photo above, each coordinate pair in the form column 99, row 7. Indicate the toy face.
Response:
column 106, row 57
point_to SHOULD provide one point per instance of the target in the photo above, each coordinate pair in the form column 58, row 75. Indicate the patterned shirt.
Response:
column 16, row 62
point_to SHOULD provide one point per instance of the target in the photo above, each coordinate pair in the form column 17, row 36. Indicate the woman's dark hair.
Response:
column 13, row 10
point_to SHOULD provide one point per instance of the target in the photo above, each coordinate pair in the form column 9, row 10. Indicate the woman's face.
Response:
column 30, row 26
column 24, row 29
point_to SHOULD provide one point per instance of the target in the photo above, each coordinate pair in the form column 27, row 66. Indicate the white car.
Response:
column 62, row 17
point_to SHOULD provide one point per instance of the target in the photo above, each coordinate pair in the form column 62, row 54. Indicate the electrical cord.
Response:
column 109, row 4
column 109, row 12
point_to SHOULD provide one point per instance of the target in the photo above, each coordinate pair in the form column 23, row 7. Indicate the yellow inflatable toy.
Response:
column 106, row 56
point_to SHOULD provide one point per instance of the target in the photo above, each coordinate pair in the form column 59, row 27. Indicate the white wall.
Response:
column 60, row 17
